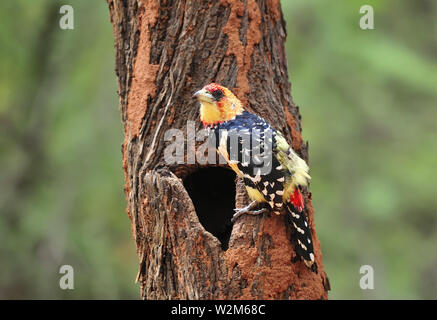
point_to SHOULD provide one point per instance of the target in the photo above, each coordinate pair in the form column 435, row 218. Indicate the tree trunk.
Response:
column 180, row 214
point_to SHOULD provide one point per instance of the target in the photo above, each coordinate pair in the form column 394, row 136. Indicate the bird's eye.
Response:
column 217, row 94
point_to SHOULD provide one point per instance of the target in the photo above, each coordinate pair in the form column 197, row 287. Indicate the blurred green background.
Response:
column 368, row 102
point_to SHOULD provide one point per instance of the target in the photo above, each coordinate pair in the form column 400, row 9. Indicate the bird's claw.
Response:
column 247, row 210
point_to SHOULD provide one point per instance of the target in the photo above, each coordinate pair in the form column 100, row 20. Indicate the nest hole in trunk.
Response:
column 212, row 190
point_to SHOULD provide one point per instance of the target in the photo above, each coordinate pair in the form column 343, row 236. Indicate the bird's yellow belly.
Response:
column 255, row 195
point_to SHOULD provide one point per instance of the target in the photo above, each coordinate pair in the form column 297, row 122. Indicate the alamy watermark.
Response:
column 367, row 20
column 246, row 146
column 67, row 20
column 367, row 280
column 67, row 280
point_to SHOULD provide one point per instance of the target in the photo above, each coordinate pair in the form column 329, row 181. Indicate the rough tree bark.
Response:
column 165, row 51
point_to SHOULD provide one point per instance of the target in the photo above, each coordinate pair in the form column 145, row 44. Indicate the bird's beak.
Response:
column 198, row 93
column 204, row 95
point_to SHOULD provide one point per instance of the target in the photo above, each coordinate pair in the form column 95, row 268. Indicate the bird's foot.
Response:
column 247, row 210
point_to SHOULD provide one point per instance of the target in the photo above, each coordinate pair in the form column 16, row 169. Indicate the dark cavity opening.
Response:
column 212, row 191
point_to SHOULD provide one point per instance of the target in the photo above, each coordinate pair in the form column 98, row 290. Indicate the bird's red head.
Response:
column 217, row 104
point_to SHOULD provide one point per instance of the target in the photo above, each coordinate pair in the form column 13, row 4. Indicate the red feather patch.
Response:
column 296, row 199
column 213, row 87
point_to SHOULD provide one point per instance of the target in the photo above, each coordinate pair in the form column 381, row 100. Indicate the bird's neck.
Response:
column 209, row 114
column 213, row 114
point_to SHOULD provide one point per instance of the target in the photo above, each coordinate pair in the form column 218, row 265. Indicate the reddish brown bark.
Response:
column 165, row 51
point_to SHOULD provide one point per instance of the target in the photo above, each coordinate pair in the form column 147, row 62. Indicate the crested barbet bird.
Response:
column 274, row 184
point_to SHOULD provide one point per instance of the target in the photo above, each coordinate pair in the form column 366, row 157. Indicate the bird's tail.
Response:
column 304, row 242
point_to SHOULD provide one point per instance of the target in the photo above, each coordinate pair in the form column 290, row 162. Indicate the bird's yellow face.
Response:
column 217, row 104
